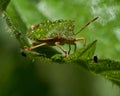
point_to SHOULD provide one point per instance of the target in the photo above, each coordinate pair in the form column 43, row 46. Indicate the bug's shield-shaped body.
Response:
column 57, row 33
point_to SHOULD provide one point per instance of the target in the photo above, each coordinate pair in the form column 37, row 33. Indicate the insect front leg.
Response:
column 36, row 46
column 58, row 45
column 81, row 38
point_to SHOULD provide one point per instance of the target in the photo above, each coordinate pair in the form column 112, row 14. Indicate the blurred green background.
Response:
column 20, row 76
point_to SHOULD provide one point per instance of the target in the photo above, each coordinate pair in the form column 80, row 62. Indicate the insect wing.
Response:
column 58, row 28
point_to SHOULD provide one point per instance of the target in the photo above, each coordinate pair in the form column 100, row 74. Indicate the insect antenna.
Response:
column 87, row 24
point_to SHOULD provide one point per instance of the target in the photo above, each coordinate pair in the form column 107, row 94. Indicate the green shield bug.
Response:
column 55, row 33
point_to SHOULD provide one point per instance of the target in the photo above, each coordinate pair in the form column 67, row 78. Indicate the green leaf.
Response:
column 107, row 68
column 3, row 4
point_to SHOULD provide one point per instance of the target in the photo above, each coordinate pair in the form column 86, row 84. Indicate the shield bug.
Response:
column 55, row 33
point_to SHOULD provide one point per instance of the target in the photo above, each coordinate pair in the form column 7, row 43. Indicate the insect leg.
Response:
column 81, row 38
column 58, row 45
column 75, row 47
column 36, row 46
column 69, row 49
